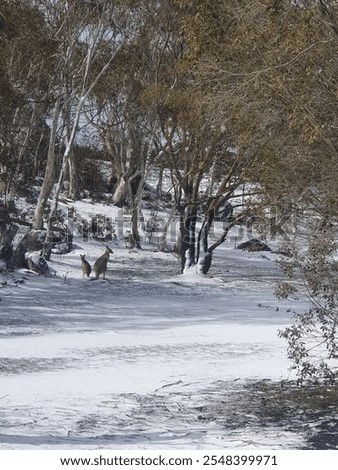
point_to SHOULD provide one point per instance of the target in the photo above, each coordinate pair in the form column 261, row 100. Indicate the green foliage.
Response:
column 272, row 78
column 25, row 57
column 89, row 176
column 312, row 339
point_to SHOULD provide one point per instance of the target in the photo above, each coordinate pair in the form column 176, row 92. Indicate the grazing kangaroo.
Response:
column 100, row 265
column 85, row 266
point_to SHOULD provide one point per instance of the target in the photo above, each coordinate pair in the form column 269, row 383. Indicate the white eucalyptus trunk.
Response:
column 48, row 181
column 120, row 192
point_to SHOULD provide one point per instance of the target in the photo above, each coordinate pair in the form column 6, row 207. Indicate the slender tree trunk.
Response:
column 141, row 175
column 163, row 239
column 182, row 243
column 159, row 184
column 134, row 204
column 73, row 180
column 122, row 188
column 36, row 155
column 134, row 227
column 190, row 236
column 70, row 171
column 205, row 258
column 48, row 181
column 120, row 192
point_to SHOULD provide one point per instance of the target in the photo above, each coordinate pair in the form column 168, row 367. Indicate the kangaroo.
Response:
column 85, row 266
column 100, row 265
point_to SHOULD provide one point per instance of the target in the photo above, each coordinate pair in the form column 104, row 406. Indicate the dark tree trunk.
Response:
column 205, row 263
column 134, row 227
column 73, row 176
column 190, row 235
column 205, row 258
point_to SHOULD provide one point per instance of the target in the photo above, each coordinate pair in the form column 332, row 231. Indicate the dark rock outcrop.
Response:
column 254, row 245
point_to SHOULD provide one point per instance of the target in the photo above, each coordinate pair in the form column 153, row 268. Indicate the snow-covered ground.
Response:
column 148, row 359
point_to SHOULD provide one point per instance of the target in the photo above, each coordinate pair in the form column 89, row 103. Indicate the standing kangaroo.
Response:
column 85, row 267
column 100, row 265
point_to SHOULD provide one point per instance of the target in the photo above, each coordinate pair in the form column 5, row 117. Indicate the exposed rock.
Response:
column 15, row 258
column 34, row 240
column 254, row 245
column 19, row 240
column 60, row 242
column 152, row 194
column 36, row 263
column 7, row 234
column 62, row 249
column 8, row 230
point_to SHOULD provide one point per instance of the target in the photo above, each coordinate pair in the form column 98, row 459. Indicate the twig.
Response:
column 169, row 385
